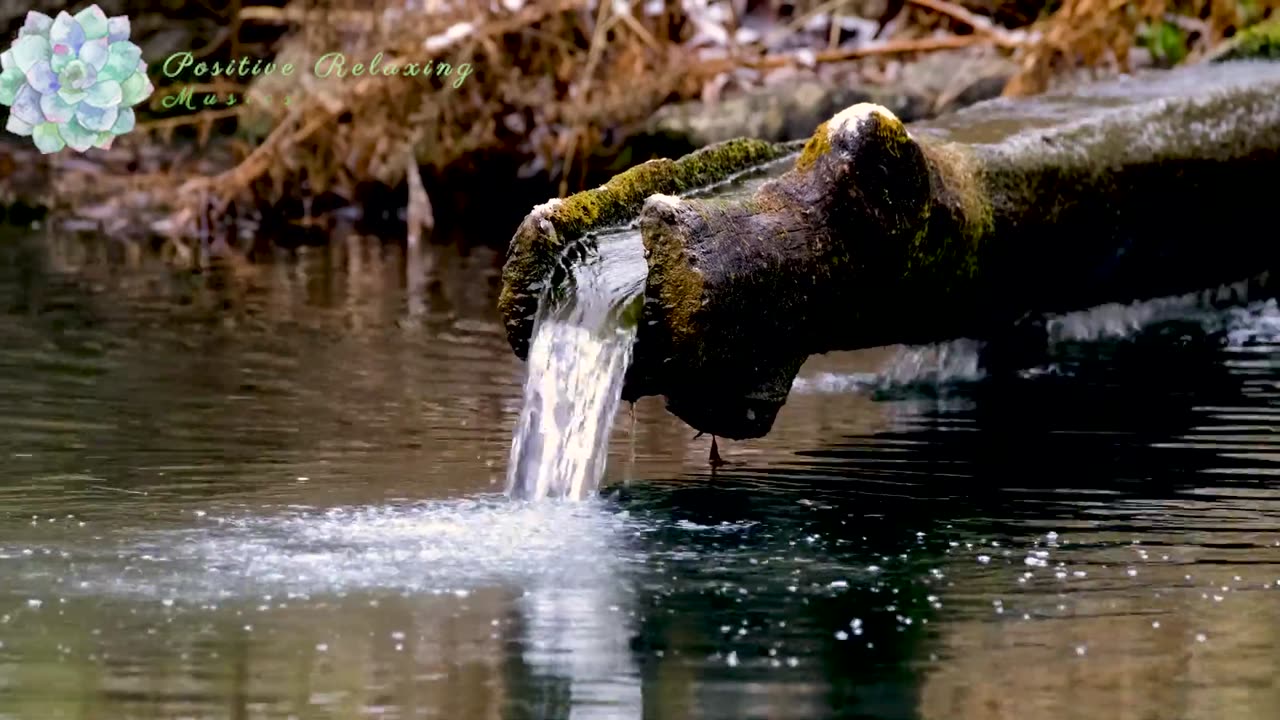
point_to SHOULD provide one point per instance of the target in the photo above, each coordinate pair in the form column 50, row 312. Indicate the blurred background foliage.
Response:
column 561, row 89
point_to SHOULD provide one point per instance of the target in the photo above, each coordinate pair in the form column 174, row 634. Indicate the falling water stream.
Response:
column 578, row 355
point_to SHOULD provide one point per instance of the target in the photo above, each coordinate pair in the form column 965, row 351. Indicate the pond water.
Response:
column 275, row 491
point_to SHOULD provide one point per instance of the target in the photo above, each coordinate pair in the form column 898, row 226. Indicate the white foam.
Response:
column 670, row 201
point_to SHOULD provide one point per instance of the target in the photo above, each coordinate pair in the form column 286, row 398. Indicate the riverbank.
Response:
column 593, row 91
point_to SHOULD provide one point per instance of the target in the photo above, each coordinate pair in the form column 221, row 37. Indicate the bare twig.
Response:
column 360, row 19
column 420, row 218
column 955, row 12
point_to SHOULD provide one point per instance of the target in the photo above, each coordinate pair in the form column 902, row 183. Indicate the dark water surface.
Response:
column 274, row 492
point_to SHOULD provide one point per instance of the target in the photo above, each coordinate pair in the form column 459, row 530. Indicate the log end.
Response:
column 531, row 258
column 673, row 274
column 688, row 350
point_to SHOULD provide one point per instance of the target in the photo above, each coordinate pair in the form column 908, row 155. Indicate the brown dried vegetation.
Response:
column 558, row 83
column 1100, row 35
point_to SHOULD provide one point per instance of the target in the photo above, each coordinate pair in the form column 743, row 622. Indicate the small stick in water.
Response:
column 419, row 215
column 714, row 459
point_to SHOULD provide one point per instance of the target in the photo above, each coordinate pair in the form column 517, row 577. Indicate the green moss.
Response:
column 890, row 132
column 680, row 285
column 1259, row 42
column 819, row 144
column 947, row 247
column 960, row 173
column 620, row 199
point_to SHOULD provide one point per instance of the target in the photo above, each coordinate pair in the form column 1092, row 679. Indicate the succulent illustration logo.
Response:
column 72, row 81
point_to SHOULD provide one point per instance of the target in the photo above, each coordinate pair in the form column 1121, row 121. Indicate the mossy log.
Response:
column 550, row 234
column 1138, row 188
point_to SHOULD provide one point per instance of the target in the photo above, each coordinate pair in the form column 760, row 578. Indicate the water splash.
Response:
column 957, row 361
column 580, row 350
column 954, row 361
column 436, row 547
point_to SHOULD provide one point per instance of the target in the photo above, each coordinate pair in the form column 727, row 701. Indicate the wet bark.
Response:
column 881, row 235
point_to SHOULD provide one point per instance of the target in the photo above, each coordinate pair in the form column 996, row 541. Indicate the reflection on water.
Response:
column 273, row 491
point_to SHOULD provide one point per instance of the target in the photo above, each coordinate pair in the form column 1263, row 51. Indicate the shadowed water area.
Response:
column 276, row 492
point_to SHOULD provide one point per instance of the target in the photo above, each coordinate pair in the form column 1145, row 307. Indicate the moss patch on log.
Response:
column 680, row 283
column 620, row 199
column 961, row 215
column 819, row 144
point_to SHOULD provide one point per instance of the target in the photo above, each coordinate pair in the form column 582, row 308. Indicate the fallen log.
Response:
column 1141, row 187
